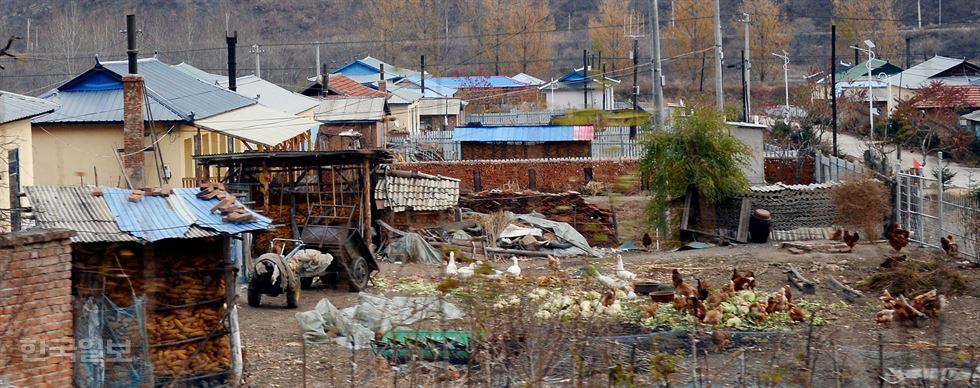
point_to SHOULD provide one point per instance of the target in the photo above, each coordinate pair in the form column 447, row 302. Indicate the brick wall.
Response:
column 504, row 150
column 547, row 175
column 789, row 171
column 35, row 309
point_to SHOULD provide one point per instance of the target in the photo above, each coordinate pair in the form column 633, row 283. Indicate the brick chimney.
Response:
column 133, row 129
column 132, row 159
column 382, row 84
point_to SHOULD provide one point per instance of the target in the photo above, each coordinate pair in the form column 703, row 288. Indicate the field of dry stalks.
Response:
column 522, row 347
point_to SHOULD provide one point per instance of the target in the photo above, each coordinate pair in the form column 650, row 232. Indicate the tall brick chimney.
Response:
column 382, row 84
column 132, row 159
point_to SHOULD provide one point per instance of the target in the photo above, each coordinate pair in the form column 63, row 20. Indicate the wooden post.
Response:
column 231, row 285
column 366, row 204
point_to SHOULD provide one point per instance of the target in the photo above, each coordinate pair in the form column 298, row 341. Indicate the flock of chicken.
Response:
column 898, row 238
column 928, row 304
column 705, row 304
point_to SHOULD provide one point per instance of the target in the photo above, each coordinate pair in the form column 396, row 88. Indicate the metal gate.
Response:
column 929, row 214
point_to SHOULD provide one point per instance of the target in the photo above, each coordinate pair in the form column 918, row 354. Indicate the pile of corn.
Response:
column 173, row 360
column 183, row 324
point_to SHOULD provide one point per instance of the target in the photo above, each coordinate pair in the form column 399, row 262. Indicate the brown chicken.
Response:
column 851, row 239
column 743, row 282
column 697, row 308
column 554, row 263
column 898, row 238
column 796, row 313
column 950, row 246
column 893, row 261
column 608, row 297
column 930, row 303
column 712, row 317
column 887, row 299
column 704, row 290
column 885, row 316
column 680, row 287
column 646, row 241
column 720, row 338
column 652, row 309
column 681, row 302
column 727, row 291
column 757, row 311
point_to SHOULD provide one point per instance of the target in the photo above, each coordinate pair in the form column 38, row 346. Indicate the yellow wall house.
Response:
column 81, row 141
column 16, row 152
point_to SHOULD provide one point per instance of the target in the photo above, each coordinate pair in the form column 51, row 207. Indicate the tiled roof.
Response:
column 966, row 96
column 346, row 86
column 112, row 217
column 15, row 107
column 401, row 191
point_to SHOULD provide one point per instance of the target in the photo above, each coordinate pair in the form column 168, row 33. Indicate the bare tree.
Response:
column 66, row 34
column 768, row 33
column 607, row 35
column 860, row 20
column 689, row 35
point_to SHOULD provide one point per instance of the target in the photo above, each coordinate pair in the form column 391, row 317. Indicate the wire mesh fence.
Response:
column 936, row 218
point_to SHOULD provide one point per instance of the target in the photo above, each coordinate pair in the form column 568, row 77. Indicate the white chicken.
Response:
column 451, row 269
column 631, row 294
column 515, row 269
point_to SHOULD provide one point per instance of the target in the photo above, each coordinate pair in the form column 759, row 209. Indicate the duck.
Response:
column 621, row 271
column 514, row 270
column 611, row 282
column 466, row 272
column 451, row 269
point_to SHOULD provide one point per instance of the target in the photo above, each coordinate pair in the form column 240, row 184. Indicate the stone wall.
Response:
column 35, row 309
column 546, row 175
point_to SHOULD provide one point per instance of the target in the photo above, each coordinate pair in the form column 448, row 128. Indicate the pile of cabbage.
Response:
column 735, row 315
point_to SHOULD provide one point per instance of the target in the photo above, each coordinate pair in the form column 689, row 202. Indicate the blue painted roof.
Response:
column 578, row 75
column 544, row 133
column 356, row 68
column 490, row 81
column 183, row 95
column 180, row 215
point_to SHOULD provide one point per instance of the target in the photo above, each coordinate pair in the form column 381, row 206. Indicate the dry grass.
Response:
column 493, row 224
column 915, row 276
column 862, row 203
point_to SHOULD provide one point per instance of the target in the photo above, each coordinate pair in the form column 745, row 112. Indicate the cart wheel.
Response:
column 292, row 297
column 357, row 274
column 254, row 297
column 306, row 282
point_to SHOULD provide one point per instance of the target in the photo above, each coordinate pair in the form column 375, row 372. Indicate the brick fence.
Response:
column 790, row 171
column 547, row 175
column 35, row 309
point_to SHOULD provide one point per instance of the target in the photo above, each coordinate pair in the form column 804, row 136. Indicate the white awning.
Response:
column 258, row 124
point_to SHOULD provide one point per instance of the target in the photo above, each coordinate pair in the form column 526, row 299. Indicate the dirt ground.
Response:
column 845, row 349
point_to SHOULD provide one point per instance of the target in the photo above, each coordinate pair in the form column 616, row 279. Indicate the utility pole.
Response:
column 908, row 52
column 745, row 92
column 423, row 75
column 833, row 83
column 918, row 8
column 636, row 88
column 585, row 77
column 658, row 78
column 871, row 109
column 603, row 79
column 28, row 35
column 258, row 65
column 746, row 73
column 719, row 91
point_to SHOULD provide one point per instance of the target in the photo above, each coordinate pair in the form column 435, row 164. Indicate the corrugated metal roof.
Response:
column 528, row 79
column 432, row 89
column 112, row 217
column 74, row 207
column 972, row 116
column 440, row 106
column 529, row 133
column 258, row 124
column 860, row 71
column 15, row 107
column 919, row 75
column 97, row 106
column 183, row 92
column 482, row 81
column 401, row 95
column 253, row 87
column 200, row 210
column 347, row 109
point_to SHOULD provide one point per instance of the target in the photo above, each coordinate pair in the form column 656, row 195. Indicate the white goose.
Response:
column 621, row 271
column 611, row 282
column 514, row 270
column 451, row 269
column 465, row 272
